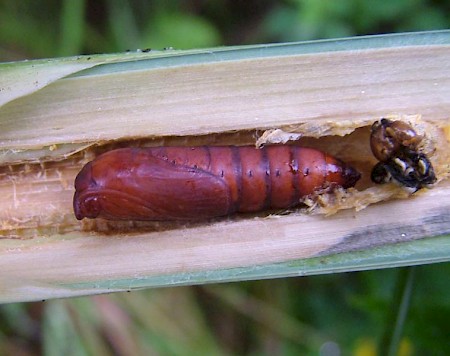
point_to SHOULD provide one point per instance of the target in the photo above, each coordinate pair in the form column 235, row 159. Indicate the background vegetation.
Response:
column 347, row 313
column 51, row 28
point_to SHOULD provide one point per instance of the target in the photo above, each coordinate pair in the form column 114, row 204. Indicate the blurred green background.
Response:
column 50, row 28
column 348, row 314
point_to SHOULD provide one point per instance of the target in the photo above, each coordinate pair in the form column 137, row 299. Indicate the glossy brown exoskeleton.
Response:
column 191, row 183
